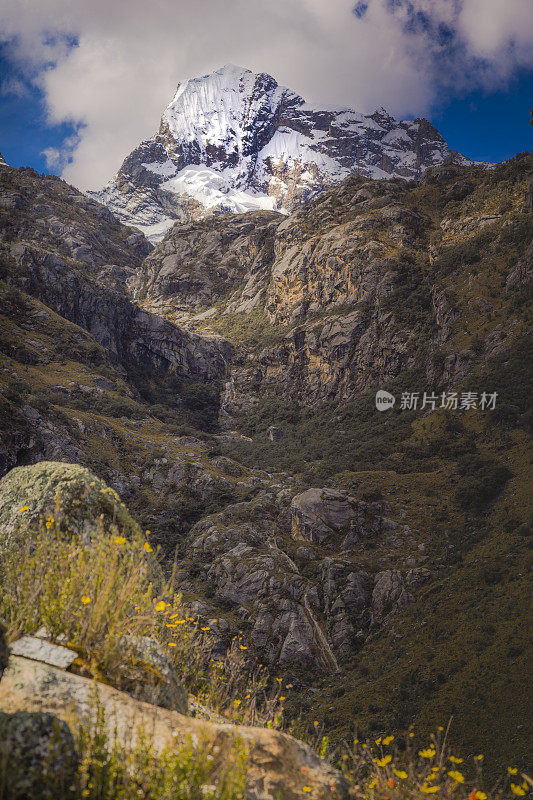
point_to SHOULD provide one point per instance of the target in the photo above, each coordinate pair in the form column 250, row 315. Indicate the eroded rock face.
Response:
column 199, row 262
column 276, row 760
column 129, row 334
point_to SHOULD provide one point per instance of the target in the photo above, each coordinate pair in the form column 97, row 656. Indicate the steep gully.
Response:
column 230, row 394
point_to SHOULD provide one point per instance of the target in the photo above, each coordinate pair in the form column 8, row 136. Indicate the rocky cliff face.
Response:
column 356, row 288
column 234, row 141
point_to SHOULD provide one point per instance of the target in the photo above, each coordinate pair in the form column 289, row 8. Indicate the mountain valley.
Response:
column 223, row 383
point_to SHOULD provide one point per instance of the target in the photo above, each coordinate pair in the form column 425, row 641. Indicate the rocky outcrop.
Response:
column 392, row 591
column 278, row 764
column 289, row 571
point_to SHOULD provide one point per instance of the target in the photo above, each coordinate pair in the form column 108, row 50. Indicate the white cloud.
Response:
column 130, row 54
column 52, row 157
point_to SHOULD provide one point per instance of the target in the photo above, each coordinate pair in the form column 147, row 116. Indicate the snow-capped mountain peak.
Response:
column 234, row 141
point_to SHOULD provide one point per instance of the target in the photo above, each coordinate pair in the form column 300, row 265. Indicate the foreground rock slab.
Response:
column 280, row 766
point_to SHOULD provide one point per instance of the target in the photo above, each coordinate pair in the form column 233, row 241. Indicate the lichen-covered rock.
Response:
column 38, row 755
column 146, row 673
column 76, row 498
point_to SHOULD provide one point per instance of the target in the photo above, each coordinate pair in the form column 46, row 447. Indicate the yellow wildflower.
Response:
column 243, row 647
column 428, row 752
column 411, row 735
column 172, row 644
column 478, row 795
column 378, row 741
column 372, row 783
column 512, row 770
column 440, row 728
column 85, row 600
column 237, row 703
column 479, row 757
column 24, row 508
column 457, row 776
column 49, row 522
column 160, row 606
column 120, row 540
column 148, row 548
column 207, row 628
column 281, row 698
column 306, row 788
column 382, row 762
column 400, row 773
column 387, row 740
column 517, row 790
column 429, row 789
column 455, row 760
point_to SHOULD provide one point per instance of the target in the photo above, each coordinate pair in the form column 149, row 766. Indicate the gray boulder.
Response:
column 325, row 517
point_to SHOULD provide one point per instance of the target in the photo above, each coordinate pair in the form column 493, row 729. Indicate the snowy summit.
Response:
column 236, row 141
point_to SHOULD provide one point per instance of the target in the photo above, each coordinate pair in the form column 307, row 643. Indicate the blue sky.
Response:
column 86, row 82
column 490, row 127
